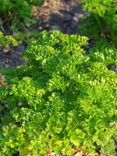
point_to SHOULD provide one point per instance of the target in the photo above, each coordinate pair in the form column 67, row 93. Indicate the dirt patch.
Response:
column 63, row 15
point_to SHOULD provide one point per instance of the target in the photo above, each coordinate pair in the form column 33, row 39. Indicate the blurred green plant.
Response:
column 16, row 14
column 102, row 19
column 7, row 40
column 27, row 37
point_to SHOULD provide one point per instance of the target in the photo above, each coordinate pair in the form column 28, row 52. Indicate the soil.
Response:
column 63, row 15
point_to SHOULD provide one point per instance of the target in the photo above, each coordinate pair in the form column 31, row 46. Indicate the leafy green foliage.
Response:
column 97, row 6
column 104, row 15
column 7, row 40
column 16, row 12
column 63, row 99
column 89, row 27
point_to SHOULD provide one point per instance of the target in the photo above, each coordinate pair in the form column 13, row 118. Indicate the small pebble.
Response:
column 54, row 27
